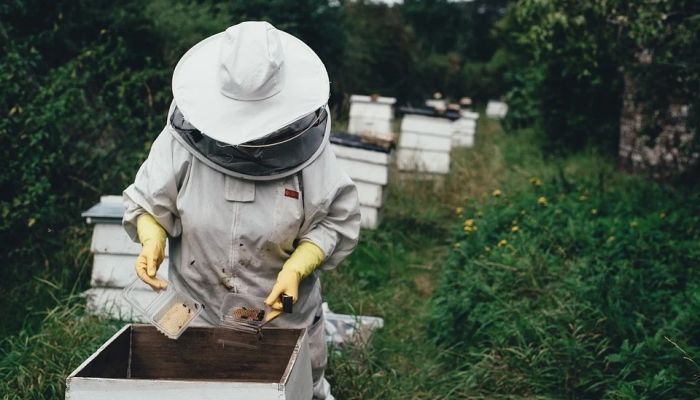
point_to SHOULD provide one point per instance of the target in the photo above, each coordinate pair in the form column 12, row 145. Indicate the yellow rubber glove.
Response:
column 303, row 261
column 152, row 237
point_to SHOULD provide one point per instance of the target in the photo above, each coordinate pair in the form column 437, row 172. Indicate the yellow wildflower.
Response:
column 469, row 229
column 583, row 197
column 457, row 246
column 503, row 243
column 611, row 238
column 469, row 222
column 459, row 211
column 487, row 248
column 594, row 211
column 497, row 193
column 542, row 201
column 535, row 181
column 515, row 229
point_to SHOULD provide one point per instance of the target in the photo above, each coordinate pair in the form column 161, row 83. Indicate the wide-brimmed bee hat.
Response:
column 249, row 82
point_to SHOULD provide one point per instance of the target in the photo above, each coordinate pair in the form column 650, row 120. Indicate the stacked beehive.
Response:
column 368, row 166
column 113, row 263
column 464, row 129
column 371, row 115
column 426, row 140
column 496, row 109
column 365, row 153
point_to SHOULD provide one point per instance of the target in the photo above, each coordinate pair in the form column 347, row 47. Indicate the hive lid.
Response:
column 110, row 209
column 349, row 140
column 452, row 115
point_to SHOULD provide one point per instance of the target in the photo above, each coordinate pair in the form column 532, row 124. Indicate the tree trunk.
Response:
column 657, row 143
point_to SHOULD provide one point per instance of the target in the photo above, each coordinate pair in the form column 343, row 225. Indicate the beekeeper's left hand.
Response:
column 303, row 261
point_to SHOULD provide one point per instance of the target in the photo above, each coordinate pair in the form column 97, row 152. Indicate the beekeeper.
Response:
column 243, row 181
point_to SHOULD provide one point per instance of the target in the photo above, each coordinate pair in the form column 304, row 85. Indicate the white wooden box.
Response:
column 496, row 109
column 422, row 141
column 464, row 125
column 370, row 194
column 461, row 140
column 359, row 125
column 435, row 162
column 138, row 362
column 370, row 217
column 370, row 114
column 353, row 153
column 467, row 114
column 426, row 125
column 366, row 172
column 369, row 170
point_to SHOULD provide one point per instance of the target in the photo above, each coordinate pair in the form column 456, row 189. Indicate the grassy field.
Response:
column 394, row 273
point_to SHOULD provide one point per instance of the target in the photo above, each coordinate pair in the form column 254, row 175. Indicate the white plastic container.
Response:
column 170, row 311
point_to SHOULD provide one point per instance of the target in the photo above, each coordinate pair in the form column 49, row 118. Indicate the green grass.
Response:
column 35, row 365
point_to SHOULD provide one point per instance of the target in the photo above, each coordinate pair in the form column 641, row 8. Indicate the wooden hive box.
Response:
column 368, row 166
column 138, row 362
column 426, row 140
column 464, row 129
column 496, row 109
column 370, row 114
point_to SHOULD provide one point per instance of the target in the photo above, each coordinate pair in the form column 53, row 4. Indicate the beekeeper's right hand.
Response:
column 152, row 237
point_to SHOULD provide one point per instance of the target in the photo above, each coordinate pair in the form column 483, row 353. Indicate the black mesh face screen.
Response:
column 273, row 154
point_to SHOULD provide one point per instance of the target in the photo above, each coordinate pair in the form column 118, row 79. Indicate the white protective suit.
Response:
column 227, row 234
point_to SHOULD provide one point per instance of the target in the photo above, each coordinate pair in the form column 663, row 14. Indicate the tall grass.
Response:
column 35, row 365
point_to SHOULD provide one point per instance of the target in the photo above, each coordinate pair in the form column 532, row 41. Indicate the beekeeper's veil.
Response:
column 251, row 101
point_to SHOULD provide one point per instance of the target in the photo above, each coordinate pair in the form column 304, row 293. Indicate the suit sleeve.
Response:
column 156, row 186
column 335, row 224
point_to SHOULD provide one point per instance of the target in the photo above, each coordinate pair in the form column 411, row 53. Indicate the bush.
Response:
column 576, row 289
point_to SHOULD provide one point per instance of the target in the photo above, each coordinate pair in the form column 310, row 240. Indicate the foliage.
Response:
column 83, row 100
column 582, row 286
column 578, row 51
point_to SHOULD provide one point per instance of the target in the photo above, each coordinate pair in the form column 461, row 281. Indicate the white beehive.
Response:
column 368, row 166
column 496, row 109
column 464, row 129
column 370, row 114
column 425, row 142
column 114, row 256
column 138, row 362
